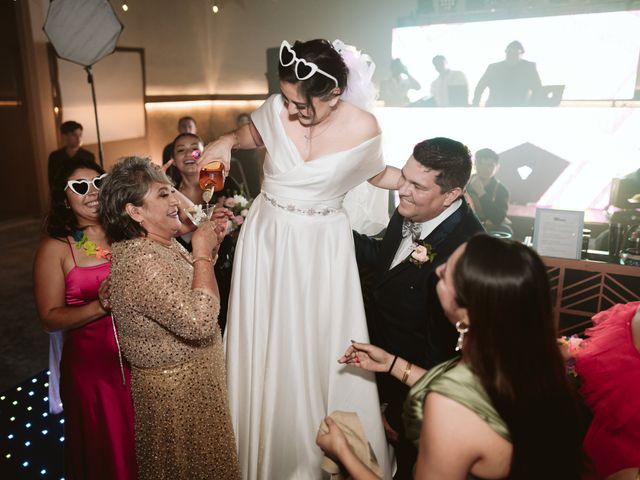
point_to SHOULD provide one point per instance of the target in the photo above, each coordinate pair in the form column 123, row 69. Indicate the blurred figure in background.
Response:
column 489, row 198
column 71, row 133
column 394, row 89
column 511, row 82
column 451, row 88
column 185, row 125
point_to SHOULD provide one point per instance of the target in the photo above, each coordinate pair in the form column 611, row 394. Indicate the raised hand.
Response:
column 367, row 356
column 166, row 166
column 219, row 150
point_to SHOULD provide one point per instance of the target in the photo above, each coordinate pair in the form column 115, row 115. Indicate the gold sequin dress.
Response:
column 170, row 336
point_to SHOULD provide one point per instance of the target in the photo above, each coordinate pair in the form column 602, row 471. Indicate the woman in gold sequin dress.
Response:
column 165, row 303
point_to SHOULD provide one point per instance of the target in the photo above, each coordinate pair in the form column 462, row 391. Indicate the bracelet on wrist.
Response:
column 202, row 259
column 392, row 364
column 407, row 372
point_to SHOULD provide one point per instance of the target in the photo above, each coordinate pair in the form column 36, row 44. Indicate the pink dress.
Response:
column 98, row 410
column 609, row 367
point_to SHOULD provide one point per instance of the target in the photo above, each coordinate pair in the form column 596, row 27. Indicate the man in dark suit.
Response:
column 71, row 134
column 403, row 311
column 512, row 82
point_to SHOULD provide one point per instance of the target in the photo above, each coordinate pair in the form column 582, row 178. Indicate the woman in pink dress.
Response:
column 608, row 365
column 71, row 264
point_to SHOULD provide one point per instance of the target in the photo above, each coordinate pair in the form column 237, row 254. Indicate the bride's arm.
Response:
column 387, row 179
column 245, row 137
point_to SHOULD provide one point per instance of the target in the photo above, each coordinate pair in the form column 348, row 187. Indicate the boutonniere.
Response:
column 422, row 253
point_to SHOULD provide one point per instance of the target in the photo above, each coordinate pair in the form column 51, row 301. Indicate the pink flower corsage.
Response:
column 422, row 253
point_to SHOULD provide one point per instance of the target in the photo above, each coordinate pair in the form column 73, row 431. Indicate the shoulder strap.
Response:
column 72, row 254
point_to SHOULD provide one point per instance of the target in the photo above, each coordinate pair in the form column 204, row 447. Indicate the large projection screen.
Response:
column 570, row 152
column 594, row 55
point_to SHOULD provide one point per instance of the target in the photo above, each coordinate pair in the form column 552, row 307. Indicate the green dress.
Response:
column 456, row 381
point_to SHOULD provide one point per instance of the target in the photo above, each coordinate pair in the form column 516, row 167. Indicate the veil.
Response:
column 360, row 90
column 366, row 205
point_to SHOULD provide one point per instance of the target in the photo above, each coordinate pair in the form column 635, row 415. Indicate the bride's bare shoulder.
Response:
column 360, row 124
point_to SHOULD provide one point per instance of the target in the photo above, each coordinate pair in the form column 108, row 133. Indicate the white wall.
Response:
column 189, row 50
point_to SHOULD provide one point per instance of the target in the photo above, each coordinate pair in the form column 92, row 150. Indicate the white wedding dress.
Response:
column 295, row 304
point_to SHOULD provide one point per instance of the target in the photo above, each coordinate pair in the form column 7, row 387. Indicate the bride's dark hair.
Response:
column 512, row 347
column 322, row 53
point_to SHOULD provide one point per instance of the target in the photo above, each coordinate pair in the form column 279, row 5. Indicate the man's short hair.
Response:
column 516, row 44
column 450, row 158
column 69, row 126
column 184, row 119
column 487, row 153
column 438, row 58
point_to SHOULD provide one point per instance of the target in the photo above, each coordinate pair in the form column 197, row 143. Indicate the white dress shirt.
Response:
column 406, row 244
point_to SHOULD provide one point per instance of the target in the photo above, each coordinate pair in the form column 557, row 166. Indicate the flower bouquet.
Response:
column 239, row 206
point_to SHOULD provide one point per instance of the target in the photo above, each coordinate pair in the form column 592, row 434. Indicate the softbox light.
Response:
column 82, row 31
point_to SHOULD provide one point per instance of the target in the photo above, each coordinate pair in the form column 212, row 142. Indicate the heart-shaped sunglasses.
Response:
column 303, row 69
column 81, row 187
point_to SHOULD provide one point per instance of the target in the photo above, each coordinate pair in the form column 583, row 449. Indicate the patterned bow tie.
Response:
column 411, row 228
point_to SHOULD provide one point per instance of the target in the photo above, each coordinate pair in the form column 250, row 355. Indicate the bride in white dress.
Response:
column 295, row 297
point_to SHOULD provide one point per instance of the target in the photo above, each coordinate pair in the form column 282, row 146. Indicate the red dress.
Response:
column 98, row 410
column 609, row 367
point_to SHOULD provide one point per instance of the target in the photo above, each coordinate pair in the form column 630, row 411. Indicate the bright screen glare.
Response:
column 594, row 55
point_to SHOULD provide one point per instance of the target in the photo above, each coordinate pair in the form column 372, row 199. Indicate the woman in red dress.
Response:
column 71, row 264
column 608, row 365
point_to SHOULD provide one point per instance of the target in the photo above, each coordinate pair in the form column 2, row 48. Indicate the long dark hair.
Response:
column 60, row 221
column 511, row 346
column 173, row 173
column 322, row 53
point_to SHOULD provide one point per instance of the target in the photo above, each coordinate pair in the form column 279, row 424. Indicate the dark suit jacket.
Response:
column 403, row 311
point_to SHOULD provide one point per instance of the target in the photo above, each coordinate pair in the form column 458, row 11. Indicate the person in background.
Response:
column 489, row 198
column 511, row 82
column 504, row 407
column 451, row 88
column 185, row 125
column 394, row 90
column 165, row 303
column 71, row 133
column 69, row 269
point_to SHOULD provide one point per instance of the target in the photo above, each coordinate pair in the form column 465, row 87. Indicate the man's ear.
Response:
column 134, row 212
column 452, row 195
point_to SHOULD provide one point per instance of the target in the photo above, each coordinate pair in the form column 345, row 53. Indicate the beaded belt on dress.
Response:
column 290, row 207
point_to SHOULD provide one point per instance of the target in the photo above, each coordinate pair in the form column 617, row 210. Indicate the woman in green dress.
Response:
column 504, row 407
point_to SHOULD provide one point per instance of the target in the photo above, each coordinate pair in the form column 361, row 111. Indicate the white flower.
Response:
column 240, row 200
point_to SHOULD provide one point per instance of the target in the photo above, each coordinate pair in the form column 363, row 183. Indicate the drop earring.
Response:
column 462, row 328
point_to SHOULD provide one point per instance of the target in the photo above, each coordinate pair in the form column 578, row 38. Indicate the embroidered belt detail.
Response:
column 317, row 210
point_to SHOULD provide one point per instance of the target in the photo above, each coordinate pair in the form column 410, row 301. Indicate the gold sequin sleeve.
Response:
column 161, row 319
column 191, row 314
